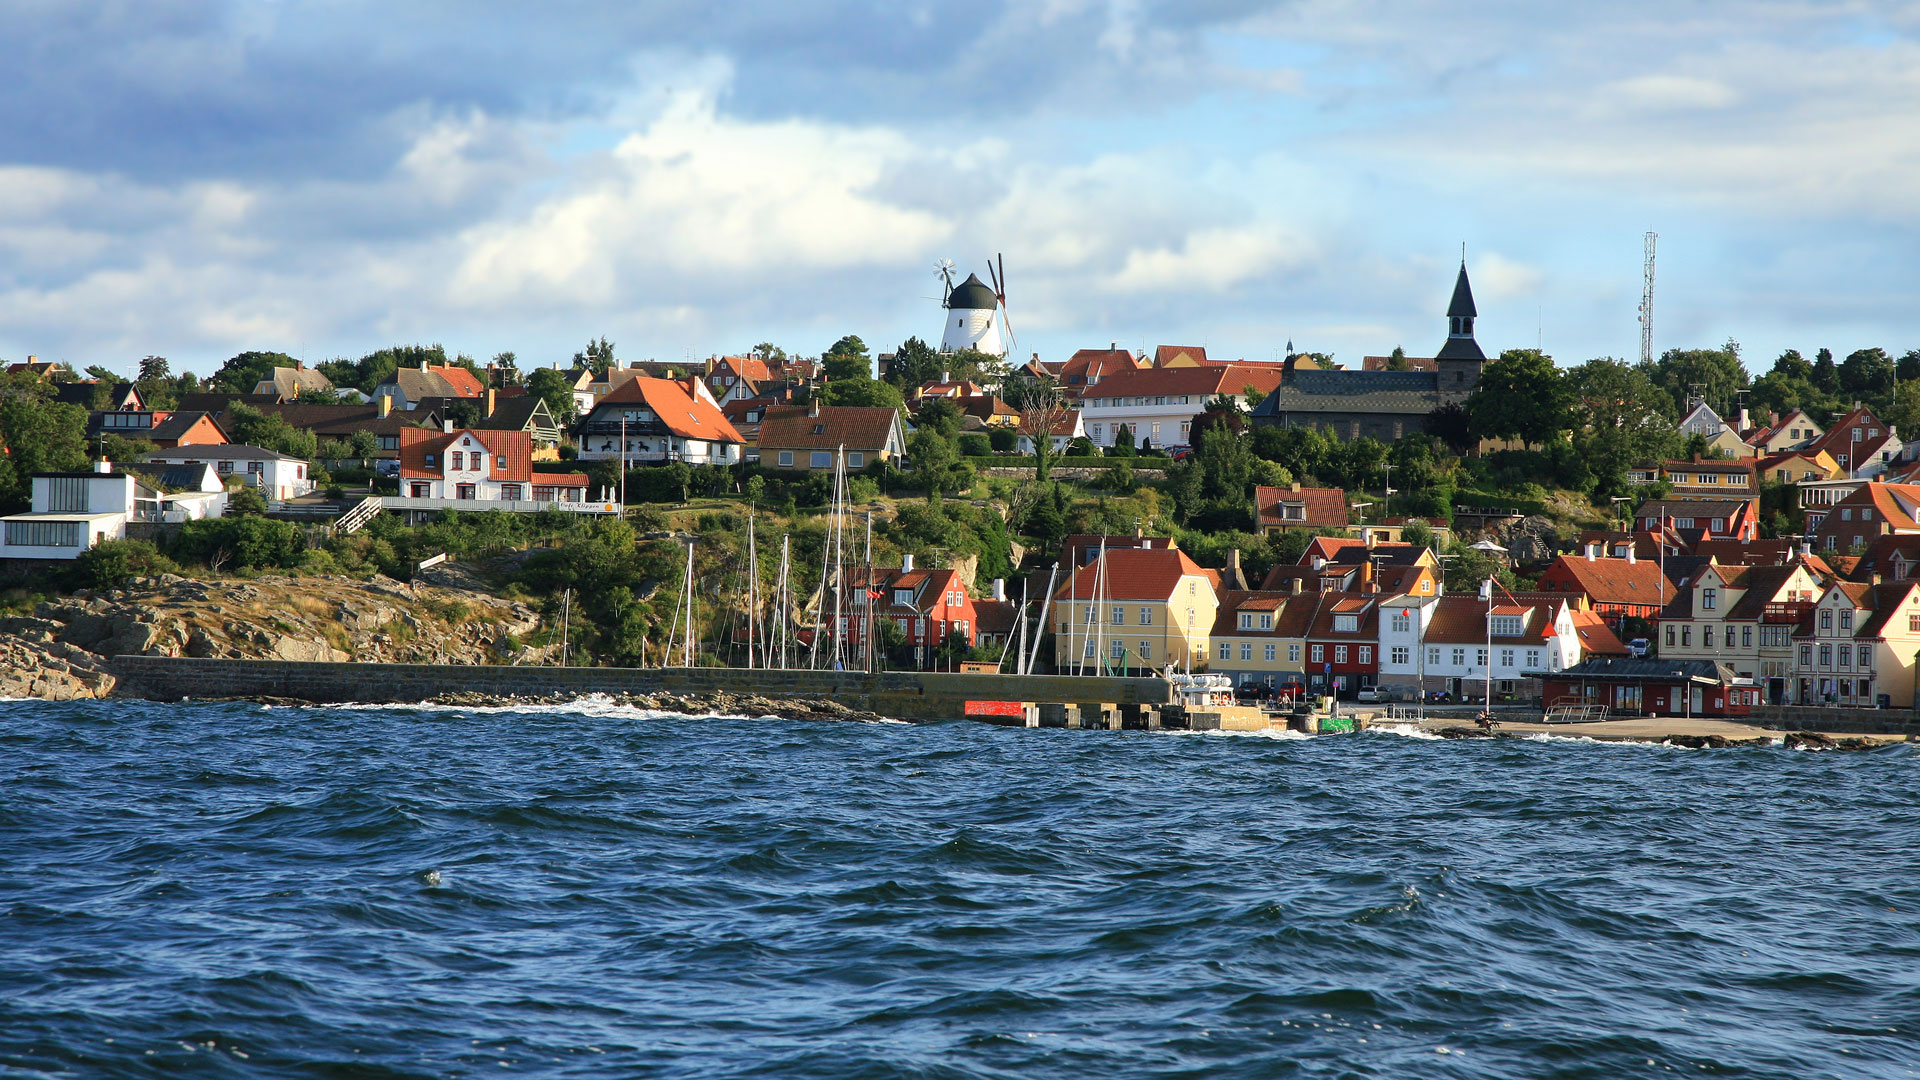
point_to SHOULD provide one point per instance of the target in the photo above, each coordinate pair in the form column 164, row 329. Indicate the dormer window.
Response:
column 1506, row 626
column 819, row 429
column 1346, row 624
column 903, row 597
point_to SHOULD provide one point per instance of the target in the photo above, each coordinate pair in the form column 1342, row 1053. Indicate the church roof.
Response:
column 1415, row 392
column 1460, row 348
column 1462, row 296
column 972, row 293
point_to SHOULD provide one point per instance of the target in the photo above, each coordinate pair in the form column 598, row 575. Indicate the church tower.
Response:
column 1459, row 360
column 971, row 324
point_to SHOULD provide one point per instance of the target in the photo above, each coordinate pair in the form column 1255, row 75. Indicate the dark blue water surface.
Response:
column 227, row 890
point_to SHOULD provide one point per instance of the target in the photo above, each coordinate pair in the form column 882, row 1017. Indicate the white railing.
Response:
column 355, row 518
column 511, row 506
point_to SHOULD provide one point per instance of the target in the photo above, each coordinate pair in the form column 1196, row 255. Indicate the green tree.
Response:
column 1417, row 533
column 938, row 467
column 1042, row 408
column 508, row 366
column 37, row 434
column 1717, row 374
column 154, row 368
column 241, row 373
column 940, row 415
column 1867, row 375
column 1620, row 419
column 597, row 356
column 847, row 359
column 555, row 387
column 1226, row 465
column 1122, row 441
column 249, row 426
column 914, row 363
column 1519, row 396
column 768, row 352
column 1398, row 360
column 868, row 393
column 1826, row 375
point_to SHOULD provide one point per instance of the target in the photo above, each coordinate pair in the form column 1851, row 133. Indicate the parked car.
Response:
column 1637, row 648
column 1369, row 695
column 1180, row 453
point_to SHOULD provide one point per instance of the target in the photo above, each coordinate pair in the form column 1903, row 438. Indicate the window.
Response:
column 1117, row 650
column 500, row 462
column 1669, row 637
column 1746, row 637
column 1866, row 514
column 856, row 460
column 1846, row 618
column 1270, row 652
column 820, row 459
column 1686, row 637
column 1433, row 657
column 1506, row 626
column 1226, row 650
column 1095, row 429
column 1709, row 599
column 1366, row 654
column 786, row 459
column 1806, row 656
column 1826, row 618
column 1402, row 624
column 1146, row 650
column 1846, row 656
column 1826, row 656
column 1293, row 653
column 1318, row 653
column 1480, row 657
column 1146, row 616
column 1346, row 624
column 67, row 495
column 1533, row 658
column 1246, row 650
column 1706, row 636
column 1246, row 620
column 1459, row 658
column 1399, row 655
column 1266, row 620
column 56, row 534
column 510, row 492
column 1846, row 514
column 1119, row 616
column 1913, row 624
column 903, row 597
column 1506, row 658
column 1339, row 654
column 464, row 491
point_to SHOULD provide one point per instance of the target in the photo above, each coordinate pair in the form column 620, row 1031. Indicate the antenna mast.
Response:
column 1646, row 305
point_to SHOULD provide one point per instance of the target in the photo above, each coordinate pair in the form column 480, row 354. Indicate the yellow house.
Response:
column 1795, row 466
column 1134, row 609
column 1858, row 645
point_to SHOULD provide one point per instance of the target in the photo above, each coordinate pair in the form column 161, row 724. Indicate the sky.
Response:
column 193, row 178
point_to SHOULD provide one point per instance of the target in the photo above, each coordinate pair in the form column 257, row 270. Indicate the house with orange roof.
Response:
column 1871, row 511
column 1798, row 466
column 809, row 437
column 1134, row 609
column 1278, row 510
column 1260, row 637
column 1694, row 519
column 647, row 420
column 478, row 469
column 407, row 387
column 1615, row 588
column 1744, row 617
column 1158, row 405
column 1860, row 442
column 1710, row 478
column 1174, row 356
column 928, row 606
column 1088, row 367
column 1856, row 646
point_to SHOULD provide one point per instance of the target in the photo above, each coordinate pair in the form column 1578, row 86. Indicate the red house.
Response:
column 1616, row 588
column 1343, row 642
column 1652, row 687
column 927, row 606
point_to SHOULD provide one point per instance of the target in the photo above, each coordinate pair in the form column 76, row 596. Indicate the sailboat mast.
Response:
column 690, row 647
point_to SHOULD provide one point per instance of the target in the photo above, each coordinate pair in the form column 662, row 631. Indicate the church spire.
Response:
column 1460, row 315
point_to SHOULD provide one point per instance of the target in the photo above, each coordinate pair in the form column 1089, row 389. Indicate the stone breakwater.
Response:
column 64, row 648
column 719, row 703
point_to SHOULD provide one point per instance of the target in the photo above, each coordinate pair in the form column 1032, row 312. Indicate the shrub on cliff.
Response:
column 239, row 543
column 112, row 562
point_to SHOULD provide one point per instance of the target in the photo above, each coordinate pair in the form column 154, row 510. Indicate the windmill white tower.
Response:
column 972, row 322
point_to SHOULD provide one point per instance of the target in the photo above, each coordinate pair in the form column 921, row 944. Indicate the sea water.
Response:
column 231, row 890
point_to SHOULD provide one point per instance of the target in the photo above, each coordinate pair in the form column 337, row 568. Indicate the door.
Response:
column 1695, row 700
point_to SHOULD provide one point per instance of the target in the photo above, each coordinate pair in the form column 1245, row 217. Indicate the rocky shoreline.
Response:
column 1792, row 740
column 719, row 704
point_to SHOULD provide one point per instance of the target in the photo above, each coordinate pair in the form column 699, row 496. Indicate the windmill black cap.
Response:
column 972, row 293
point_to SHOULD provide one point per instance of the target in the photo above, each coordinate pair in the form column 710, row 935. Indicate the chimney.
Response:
column 709, row 365
column 423, row 365
column 1367, row 537
column 946, row 377
column 1296, row 485
column 906, row 563
column 1593, row 552
column 813, row 407
column 1319, row 563
column 492, row 400
column 1630, row 556
column 1113, row 346
column 103, row 467
column 1294, row 584
column 33, row 359
column 1366, row 577
column 446, row 427
column 385, row 404
column 1806, row 547
column 1000, row 588
column 299, row 365
column 1233, row 559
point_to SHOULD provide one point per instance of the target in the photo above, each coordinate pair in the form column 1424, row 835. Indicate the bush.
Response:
column 1004, row 440
column 974, row 444
column 112, row 562
column 239, row 543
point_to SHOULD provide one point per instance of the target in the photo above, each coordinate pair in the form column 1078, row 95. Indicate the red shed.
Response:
column 1651, row 687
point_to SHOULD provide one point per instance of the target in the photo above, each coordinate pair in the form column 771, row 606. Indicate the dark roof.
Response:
column 857, row 427
column 179, row 422
column 219, row 452
column 1462, row 304
column 972, row 293
column 1613, row 669
column 1460, row 348
column 1308, row 390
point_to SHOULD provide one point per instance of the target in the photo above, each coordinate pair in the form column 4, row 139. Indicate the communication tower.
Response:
column 1646, row 305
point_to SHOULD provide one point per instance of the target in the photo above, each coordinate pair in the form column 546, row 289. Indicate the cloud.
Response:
column 1500, row 278
column 1671, row 92
column 1210, row 260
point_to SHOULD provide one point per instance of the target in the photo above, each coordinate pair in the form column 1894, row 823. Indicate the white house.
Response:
column 1159, row 405
column 480, row 466
column 1530, row 635
column 278, row 476
column 72, row 512
column 1071, row 427
column 650, row 420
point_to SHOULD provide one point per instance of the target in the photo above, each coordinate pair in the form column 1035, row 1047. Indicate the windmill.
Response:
column 999, row 277
column 944, row 270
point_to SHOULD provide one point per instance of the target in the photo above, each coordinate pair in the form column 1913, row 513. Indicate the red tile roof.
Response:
column 796, row 427
column 685, row 414
column 1132, row 574
column 1195, row 382
column 1325, row 508
column 1612, row 581
column 515, row 446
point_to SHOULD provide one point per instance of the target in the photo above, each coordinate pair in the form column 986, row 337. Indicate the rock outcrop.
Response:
column 63, row 650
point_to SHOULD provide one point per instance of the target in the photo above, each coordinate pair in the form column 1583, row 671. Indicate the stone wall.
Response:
column 1851, row 721
column 905, row 695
